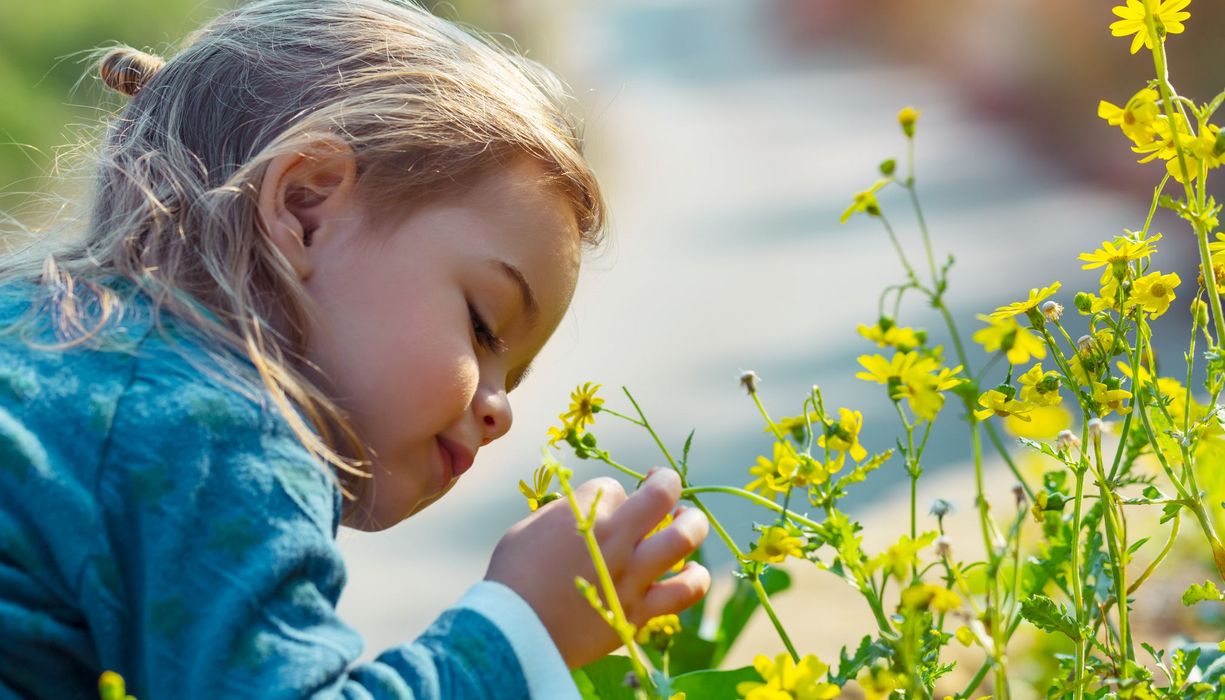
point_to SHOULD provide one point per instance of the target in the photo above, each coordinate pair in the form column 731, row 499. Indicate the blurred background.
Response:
column 730, row 136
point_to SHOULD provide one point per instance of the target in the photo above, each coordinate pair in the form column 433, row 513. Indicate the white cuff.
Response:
column 546, row 673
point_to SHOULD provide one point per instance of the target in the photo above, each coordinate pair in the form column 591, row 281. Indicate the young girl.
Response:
column 325, row 242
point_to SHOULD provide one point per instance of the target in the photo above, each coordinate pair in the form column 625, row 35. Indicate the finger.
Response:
column 674, row 594
column 611, row 494
column 659, row 552
column 643, row 510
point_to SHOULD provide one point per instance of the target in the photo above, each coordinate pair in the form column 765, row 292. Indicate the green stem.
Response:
column 898, row 248
column 778, row 625
column 621, row 625
column 691, row 491
column 1077, row 587
column 655, row 436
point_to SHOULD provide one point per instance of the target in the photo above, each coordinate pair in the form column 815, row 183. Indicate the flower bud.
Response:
column 1052, row 310
column 1199, row 313
column 921, row 336
column 1067, row 440
column 885, row 323
column 1083, row 302
column 1009, row 391
column 887, row 167
column 748, row 380
column 1095, row 428
column 1018, row 492
column 1085, row 344
column 1048, row 384
column 1218, row 149
column 907, row 118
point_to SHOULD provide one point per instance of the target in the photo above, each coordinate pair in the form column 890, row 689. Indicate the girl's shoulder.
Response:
column 150, row 399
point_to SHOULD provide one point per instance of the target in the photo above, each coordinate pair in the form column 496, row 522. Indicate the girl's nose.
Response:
column 493, row 412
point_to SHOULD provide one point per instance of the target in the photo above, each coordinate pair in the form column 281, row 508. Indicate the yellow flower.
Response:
column 1110, row 400
column 786, row 680
column 112, row 687
column 676, row 568
column 1006, row 334
column 776, row 544
column 658, row 631
column 902, row 338
column 865, row 202
column 1154, row 292
column 583, row 406
column 538, row 493
column 893, row 372
column 797, row 426
column 909, row 375
column 1177, row 393
column 1167, row 14
column 879, row 683
column 906, row 118
column 773, row 475
column 1036, row 296
column 1135, row 118
column 900, row 557
column 844, row 435
column 1043, row 423
column 1121, row 251
column 1145, row 375
column 995, row 402
column 1083, row 368
column 922, row 596
column 1040, row 388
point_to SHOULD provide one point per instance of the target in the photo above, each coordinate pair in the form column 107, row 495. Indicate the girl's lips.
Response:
column 458, row 457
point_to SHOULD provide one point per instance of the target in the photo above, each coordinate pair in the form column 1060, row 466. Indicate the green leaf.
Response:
column 685, row 454
column 604, row 679
column 714, row 685
column 1137, row 545
column 1197, row 593
column 1047, row 616
column 741, row 606
column 867, row 653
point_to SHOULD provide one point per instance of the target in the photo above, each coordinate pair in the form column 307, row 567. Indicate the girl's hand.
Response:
column 540, row 555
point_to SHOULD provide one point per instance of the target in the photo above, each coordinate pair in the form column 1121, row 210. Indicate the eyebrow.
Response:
column 527, row 296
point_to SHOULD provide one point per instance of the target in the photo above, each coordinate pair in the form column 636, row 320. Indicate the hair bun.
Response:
column 126, row 70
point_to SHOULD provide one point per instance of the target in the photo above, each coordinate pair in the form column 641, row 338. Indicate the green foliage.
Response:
column 1047, row 616
column 1200, row 592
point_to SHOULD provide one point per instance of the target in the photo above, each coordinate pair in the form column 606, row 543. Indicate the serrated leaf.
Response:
column 867, row 653
column 1044, row 449
column 1048, row 616
column 685, row 454
column 1198, row 593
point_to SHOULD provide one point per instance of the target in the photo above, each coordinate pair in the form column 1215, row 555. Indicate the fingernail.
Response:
column 651, row 472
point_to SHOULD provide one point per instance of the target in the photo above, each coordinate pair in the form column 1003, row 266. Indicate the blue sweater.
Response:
column 159, row 522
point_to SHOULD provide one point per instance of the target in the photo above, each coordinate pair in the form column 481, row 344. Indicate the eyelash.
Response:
column 484, row 334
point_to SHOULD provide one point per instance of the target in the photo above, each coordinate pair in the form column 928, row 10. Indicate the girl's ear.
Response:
column 303, row 196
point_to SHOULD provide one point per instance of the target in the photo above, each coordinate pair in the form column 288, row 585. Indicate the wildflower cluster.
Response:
column 1074, row 375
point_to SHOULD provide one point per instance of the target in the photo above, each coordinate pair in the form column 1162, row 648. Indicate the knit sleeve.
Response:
column 226, row 574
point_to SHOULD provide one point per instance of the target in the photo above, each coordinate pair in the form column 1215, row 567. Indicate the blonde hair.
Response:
column 426, row 106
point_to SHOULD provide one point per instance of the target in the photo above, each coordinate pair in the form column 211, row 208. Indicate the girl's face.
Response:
column 426, row 325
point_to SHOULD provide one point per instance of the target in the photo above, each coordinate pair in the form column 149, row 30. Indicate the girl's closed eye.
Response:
column 485, row 336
